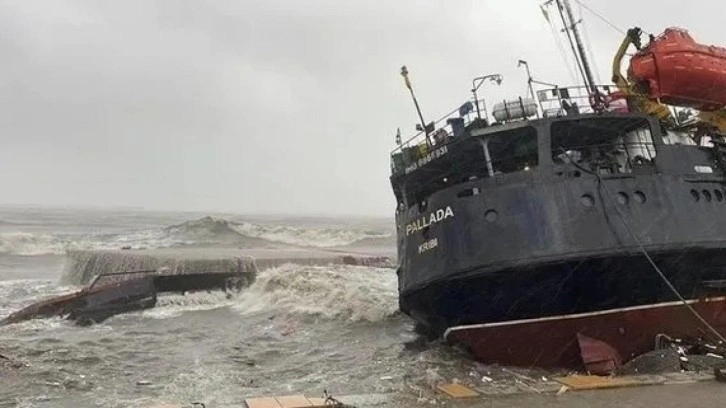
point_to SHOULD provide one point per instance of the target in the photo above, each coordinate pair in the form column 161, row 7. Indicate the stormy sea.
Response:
column 299, row 329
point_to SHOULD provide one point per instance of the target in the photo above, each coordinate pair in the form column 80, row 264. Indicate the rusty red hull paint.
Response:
column 551, row 342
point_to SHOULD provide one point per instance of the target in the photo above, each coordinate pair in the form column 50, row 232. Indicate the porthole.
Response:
column 706, row 195
column 639, row 197
column 718, row 194
column 491, row 215
column 623, row 198
column 587, row 200
column 696, row 196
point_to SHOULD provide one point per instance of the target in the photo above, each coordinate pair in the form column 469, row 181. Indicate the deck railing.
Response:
column 440, row 131
column 552, row 102
column 573, row 100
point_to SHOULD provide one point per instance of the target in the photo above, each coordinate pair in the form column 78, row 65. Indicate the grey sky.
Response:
column 260, row 106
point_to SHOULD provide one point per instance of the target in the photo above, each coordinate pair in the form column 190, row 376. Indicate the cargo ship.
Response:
column 571, row 227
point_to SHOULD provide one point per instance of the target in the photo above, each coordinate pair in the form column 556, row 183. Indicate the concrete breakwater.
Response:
column 83, row 266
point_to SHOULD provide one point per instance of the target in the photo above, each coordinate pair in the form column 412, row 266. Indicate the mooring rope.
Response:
column 644, row 251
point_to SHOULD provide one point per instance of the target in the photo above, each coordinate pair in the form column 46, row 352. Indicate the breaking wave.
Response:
column 337, row 292
column 18, row 293
column 203, row 231
column 173, row 305
column 21, row 243
column 311, row 237
column 353, row 293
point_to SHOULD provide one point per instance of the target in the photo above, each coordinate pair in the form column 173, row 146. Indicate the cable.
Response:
column 603, row 19
column 589, row 46
column 558, row 42
column 572, row 44
column 646, row 254
column 662, row 275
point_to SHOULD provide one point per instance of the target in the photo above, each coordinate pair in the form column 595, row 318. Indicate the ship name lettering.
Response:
column 435, row 217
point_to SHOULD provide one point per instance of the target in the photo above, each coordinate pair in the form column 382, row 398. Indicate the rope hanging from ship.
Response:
column 644, row 251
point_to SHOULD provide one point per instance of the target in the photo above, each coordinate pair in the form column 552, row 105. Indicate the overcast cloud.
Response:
column 261, row 106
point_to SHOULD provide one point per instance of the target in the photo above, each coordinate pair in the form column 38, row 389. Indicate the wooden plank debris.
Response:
column 594, row 382
column 265, row 402
column 317, row 402
column 293, row 401
column 457, row 391
column 287, row 401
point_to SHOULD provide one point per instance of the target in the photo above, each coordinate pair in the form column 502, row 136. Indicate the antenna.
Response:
column 404, row 74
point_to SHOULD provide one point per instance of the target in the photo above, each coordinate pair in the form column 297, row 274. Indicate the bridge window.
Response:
column 511, row 150
column 603, row 145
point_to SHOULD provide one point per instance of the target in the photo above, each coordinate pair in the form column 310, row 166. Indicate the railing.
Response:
column 423, row 143
column 552, row 102
column 441, row 124
column 573, row 100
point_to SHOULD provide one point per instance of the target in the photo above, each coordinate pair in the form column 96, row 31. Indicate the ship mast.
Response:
column 580, row 55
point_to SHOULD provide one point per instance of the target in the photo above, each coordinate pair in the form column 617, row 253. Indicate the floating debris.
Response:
column 593, row 382
column 7, row 362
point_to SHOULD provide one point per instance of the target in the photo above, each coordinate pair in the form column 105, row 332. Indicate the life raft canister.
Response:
column 676, row 70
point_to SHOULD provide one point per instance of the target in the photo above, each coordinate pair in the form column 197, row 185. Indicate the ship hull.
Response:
column 558, row 239
column 563, row 288
column 553, row 341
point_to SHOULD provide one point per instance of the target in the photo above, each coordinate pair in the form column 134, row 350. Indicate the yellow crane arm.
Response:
column 632, row 37
column 637, row 99
column 716, row 119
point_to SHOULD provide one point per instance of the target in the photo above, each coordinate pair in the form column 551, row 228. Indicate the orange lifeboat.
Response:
column 678, row 71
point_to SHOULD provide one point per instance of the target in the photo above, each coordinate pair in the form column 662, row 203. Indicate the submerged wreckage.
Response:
column 581, row 222
column 136, row 286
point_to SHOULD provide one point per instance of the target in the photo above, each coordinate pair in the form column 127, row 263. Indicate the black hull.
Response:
column 556, row 238
column 577, row 286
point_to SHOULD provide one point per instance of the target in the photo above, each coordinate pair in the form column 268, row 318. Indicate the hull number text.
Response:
column 426, row 159
column 428, row 245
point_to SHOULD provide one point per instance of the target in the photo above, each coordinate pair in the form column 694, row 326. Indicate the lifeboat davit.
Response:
column 678, row 71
